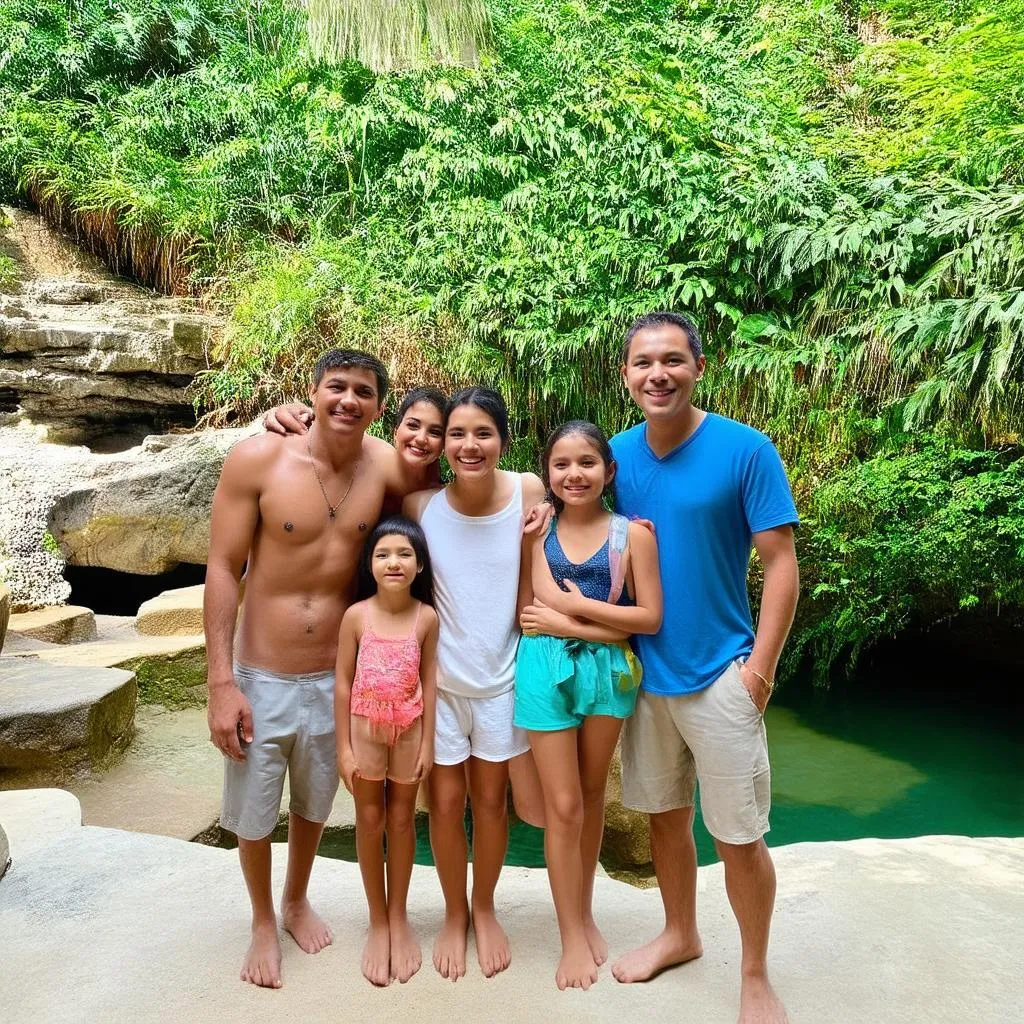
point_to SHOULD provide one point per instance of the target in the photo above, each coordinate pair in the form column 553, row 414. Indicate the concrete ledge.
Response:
column 113, row 926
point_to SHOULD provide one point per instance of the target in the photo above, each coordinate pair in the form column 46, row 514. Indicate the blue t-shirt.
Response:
column 706, row 498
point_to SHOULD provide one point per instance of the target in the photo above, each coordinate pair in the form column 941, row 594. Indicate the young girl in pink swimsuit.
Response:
column 384, row 715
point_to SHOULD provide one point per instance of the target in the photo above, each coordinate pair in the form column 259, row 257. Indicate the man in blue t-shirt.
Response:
column 714, row 489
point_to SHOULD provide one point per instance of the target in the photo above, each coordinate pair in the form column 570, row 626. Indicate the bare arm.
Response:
column 293, row 418
column 428, row 681
column 642, row 617
column 233, row 523
column 414, row 504
column 777, row 552
column 344, row 672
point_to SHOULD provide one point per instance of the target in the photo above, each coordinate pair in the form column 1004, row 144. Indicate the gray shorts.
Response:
column 715, row 736
column 293, row 731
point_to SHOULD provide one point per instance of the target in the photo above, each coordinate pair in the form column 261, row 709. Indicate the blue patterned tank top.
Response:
column 593, row 577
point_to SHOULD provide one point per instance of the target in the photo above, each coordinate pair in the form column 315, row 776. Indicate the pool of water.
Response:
column 879, row 757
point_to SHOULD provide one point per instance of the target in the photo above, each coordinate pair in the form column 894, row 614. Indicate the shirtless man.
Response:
column 296, row 511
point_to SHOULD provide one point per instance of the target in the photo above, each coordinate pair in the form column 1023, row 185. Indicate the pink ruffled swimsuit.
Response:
column 386, row 688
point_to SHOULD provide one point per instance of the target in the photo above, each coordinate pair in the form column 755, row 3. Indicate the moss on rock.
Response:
column 176, row 681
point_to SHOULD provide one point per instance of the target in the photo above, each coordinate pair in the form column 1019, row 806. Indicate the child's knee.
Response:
column 565, row 812
column 371, row 818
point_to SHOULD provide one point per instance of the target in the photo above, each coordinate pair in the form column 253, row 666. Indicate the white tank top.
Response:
column 476, row 580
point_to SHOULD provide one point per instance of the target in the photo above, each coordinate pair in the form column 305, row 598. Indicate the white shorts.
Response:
column 477, row 727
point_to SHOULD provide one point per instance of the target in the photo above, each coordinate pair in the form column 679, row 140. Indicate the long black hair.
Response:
column 423, row 586
column 488, row 401
column 598, row 440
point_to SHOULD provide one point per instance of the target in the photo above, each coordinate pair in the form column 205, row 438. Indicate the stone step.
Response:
column 64, row 292
column 172, row 613
column 117, row 653
column 61, row 624
column 34, row 818
column 54, row 715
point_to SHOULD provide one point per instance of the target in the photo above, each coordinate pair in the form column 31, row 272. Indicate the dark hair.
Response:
column 486, row 400
column 343, row 358
column 594, row 434
column 661, row 319
column 438, row 399
column 423, row 586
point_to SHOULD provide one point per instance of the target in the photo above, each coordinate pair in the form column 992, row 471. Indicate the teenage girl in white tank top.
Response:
column 473, row 529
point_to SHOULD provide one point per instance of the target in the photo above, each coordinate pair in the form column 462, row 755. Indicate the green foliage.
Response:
column 917, row 533
column 835, row 191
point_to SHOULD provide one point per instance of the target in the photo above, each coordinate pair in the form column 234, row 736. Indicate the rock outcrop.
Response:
column 5, row 613
column 146, row 510
column 172, row 613
column 83, row 359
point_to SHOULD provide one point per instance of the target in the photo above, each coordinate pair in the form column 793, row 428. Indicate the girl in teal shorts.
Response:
column 588, row 584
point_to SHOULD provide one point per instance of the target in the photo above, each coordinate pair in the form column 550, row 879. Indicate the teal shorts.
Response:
column 560, row 682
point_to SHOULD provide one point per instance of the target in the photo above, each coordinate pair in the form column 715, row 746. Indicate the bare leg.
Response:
column 675, row 864
column 527, row 798
column 451, row 854
column 488, row 794
column 406, row 957
column 262, row 964
column 304, row 925
column 597, row 739
column 370, row 820
column 750, row 884
column 557, row 760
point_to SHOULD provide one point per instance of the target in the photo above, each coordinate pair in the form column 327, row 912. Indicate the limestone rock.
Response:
column 626, row 836
column 147, row 510
column 56, row 715
column 5, row 853
column 173, row 612
column 5, row 613
column 34, row 818
column 897, row 931
column 65, row 624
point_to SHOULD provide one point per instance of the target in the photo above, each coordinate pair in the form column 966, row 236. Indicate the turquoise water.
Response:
column 859, row 761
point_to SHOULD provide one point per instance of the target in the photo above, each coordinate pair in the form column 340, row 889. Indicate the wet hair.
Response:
column 344, row 358
column 487, row 400
column 581, row 428
column 423, row 585
column 661, row 319
column 438, row 399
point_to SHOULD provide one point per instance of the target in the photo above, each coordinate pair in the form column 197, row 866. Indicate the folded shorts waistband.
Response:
column 266, row 675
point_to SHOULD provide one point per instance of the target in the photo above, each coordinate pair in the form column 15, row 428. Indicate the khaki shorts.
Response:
column 293, row 732
column 377, row 760
column 715, row 736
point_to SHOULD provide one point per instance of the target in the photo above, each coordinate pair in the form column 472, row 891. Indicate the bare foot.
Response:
column 406, row 957
column 667, row 950
column 262, row 964
column 759, row 1004
column 450, row 947
column 576, row 969
column 377, row 956
column 305, row 926
column 492, row 948
column 595, row 940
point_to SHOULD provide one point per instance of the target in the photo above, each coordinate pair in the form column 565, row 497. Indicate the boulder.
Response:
column 64, row 624
column 627, row 840
column 54, row 715
column 172, row 613
column 5, row 613
column 147, row 510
